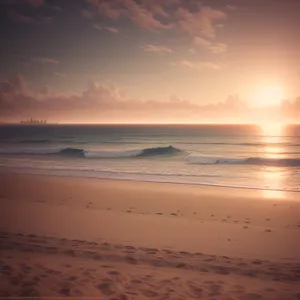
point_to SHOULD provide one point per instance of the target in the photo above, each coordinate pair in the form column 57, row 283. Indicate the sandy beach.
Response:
column 116, row 239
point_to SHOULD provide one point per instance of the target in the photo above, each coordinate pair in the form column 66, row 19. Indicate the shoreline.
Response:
column 274, row 193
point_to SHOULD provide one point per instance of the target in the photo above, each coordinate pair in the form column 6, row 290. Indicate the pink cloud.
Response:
column 22, row 18
column 87, row 14
column 156, row 48
column 216, row 48
column 45, row 60
column 199, row 65
column 107, row 28
column 18, row 17
column 112, row 9
column 98, row 102
column 144, row 17
column 59, row 74
column 105, row 103
column 142, row 14
column 204, row 21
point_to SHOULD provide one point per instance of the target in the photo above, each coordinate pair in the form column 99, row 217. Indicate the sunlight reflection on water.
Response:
column 273, row 176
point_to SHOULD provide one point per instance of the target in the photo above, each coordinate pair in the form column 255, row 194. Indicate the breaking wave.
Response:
column 259, row 161
column 85, row 153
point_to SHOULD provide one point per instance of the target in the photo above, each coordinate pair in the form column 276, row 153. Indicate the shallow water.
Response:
column 225, row 155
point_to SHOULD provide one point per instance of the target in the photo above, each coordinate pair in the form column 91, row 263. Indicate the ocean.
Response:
column 218, row 155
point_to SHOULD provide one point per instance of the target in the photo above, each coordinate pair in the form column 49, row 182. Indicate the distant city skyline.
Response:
column 101, row 61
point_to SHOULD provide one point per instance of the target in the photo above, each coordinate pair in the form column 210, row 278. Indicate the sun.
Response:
column 269, row 95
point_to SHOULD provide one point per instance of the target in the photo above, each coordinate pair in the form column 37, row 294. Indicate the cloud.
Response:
column 112, row 9
column 231, row 7
column 199, row 65
column 143, row 14
column 191, row 19
column 106, row 103
column 21, row 18
column 192, row 50
column 204, row 21
column 107, row 28
column 103, row 103
column 45, row 60
column 156, row 48
column 145, row 17
column 218, row 48
column 215, row 48
column 159, row 15
column 87, row 14
column 59, row 74
column 201, row 42
column 18, row 84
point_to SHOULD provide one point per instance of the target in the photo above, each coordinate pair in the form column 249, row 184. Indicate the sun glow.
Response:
column 269, row 95
column 271, row 128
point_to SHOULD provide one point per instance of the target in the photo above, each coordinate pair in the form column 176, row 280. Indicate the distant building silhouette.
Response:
column 33, row 121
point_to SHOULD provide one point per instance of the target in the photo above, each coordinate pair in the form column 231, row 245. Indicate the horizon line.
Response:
column 143, row 123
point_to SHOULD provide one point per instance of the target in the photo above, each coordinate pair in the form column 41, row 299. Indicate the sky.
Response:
column 150, row 60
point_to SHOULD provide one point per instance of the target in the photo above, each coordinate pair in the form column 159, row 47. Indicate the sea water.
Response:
column 221, row 155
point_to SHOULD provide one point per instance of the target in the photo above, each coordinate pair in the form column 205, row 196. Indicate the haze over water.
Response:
column 223, row 155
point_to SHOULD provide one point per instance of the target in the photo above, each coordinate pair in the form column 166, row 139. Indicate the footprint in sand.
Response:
column 29, row 293
column 109, row 288
column 72, row 278
column 113, row 273
column 129, row 247
column 29, row 284
column 196, row 291
column 149, row 293
column 252, row 296
column 131, row 260
column 268, row 230
column 65, row 291
column 173, row 214
column 106, row 266
column 159, row 213
column 136, row 281
column 257, row 262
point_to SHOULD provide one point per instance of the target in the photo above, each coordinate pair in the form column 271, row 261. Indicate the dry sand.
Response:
column 133, row 240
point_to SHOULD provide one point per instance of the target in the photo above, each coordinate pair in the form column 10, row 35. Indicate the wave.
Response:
column 90, row 153
column 73, row 152
column 258, row 161
column 170, row 150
